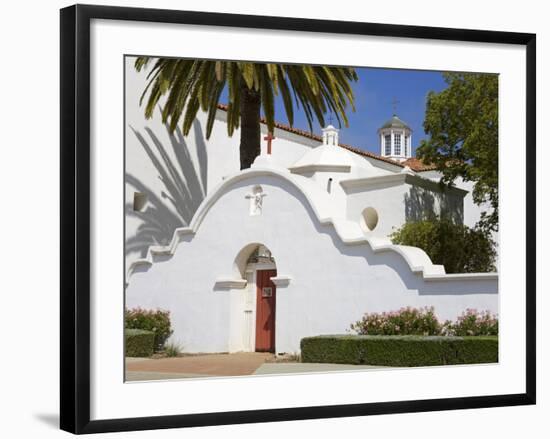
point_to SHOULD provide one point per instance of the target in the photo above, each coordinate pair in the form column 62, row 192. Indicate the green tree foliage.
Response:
column 457, row 247
column 191, row 85
column 462, row 122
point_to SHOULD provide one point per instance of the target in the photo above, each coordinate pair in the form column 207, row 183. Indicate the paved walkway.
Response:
column 242, row 363
column 280, row 368
column 219, row 365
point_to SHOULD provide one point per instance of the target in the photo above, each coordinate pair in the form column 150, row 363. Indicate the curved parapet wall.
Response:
column 329, row 272
column 349, row 232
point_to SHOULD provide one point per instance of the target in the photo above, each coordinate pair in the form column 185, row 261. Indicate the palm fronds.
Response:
column 191, row 85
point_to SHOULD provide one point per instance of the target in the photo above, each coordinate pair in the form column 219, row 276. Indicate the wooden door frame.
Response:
column 253, row 268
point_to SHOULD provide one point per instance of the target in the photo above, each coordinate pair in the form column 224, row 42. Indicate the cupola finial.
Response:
column 394, row 103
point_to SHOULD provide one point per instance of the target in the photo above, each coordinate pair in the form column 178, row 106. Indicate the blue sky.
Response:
column 374, row 92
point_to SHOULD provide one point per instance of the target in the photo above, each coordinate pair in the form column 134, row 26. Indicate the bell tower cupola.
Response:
column 395, row 139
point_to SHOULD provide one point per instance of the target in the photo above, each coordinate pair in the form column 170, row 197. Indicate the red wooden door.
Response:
column 265, row 311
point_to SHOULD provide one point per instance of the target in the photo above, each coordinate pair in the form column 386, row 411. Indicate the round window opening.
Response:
column 369, row 219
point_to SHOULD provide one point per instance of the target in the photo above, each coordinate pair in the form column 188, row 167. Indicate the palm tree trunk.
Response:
column 250, row 126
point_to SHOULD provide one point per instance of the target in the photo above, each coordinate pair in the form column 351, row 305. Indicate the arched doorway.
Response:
column 257, row 265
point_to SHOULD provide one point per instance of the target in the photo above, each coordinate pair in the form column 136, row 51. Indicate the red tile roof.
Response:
column 413, row 163
column 417, row 165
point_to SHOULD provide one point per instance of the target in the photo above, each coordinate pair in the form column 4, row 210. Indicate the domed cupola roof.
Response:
column 395, row 122
column 330, row 157
column 324, row 158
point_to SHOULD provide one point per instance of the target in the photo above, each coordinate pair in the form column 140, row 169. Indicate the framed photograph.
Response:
column 276, row 218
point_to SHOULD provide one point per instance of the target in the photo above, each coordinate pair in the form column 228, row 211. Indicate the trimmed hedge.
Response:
column 139, row 343
column 399, row 351
column 155, row 320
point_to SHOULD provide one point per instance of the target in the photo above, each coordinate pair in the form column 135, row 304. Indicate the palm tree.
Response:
column 191, row 85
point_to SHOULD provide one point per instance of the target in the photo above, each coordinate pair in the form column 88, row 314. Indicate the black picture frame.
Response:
column 75, row 217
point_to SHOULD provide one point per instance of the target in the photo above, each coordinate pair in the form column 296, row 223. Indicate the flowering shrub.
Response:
column 414, row 321
column 157, row 321
column 472, row 322
column 406, row 321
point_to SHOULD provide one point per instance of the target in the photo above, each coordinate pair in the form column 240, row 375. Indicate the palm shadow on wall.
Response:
column 184, row 188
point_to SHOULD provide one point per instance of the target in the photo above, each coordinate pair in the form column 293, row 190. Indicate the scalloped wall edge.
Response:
column 417, row 260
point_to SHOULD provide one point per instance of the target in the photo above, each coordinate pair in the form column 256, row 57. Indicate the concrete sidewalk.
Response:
column 284, row 368
column 220, row 365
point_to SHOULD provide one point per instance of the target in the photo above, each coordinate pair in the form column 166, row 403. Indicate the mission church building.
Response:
column 298, row 245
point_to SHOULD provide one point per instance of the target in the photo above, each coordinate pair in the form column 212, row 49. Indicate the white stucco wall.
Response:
column 188, row 163
column 336, row 276
column 386, row 199
column 193, row 163
column 401, row 200
column 332, row 283
column 177, row 172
